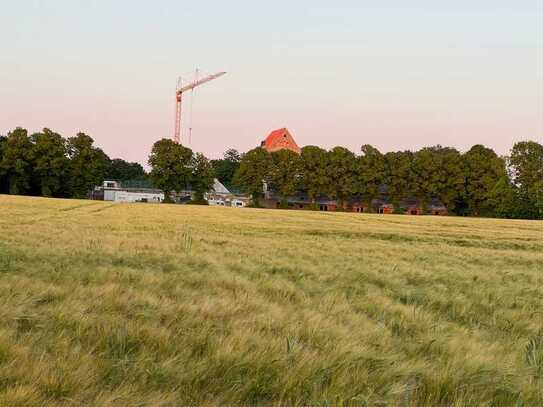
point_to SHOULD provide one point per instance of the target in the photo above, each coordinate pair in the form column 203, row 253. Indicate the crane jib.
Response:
column 178, row 97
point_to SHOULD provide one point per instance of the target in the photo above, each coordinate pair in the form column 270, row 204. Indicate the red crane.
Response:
column 179, row 98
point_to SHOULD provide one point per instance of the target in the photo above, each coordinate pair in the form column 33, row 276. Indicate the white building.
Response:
column 129, row 196
column 114, row 192
column 221, row 196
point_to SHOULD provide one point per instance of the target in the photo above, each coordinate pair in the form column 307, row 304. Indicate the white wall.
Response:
column 124, row 196
column 109, row 195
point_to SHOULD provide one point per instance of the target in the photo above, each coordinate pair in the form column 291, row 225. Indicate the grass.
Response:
column 163, row 305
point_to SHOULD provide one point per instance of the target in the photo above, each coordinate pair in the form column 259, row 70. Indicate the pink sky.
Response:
column 345, row 74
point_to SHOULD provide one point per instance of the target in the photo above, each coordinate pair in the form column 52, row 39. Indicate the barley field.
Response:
column 107, row 304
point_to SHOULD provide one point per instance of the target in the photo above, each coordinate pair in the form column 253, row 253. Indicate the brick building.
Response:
column 280, row 139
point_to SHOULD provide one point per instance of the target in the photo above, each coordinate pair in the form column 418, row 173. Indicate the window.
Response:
column 324, row 208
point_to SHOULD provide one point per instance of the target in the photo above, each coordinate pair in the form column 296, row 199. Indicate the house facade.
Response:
column 381, row 205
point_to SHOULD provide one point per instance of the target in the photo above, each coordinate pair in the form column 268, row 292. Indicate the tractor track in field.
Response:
column 103, row 208
column 74, row 207
column 64, row 210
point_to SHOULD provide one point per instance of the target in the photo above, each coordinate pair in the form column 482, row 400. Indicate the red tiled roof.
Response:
column 280, row 139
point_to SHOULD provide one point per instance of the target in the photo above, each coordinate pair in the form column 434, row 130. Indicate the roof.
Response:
column 436, row 203
column 280, row 139
column 413, row 202
column 219, row 188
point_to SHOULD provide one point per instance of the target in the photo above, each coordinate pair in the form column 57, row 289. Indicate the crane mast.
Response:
column 179, row 100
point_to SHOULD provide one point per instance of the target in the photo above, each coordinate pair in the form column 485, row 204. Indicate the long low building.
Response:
column 381, row 204
column 134, row 196
column 113, row 191
column 221, row 196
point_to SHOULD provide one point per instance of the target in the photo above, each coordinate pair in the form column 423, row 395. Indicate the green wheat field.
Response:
column 108, row 304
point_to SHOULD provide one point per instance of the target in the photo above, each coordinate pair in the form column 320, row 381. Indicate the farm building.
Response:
column 436, row 207
column 357, row 205
column 413, row 206
column 221, row 196
column 118, row 192
column 382, row 204
column 280, row 139
column 324, row 204
column 114, row 191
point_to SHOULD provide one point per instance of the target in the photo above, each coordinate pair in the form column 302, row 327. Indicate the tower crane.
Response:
column 179, row 98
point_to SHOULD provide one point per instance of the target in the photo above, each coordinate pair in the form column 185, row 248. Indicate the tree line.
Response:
column 47, row 164
column 176, row 168
column 475, row 183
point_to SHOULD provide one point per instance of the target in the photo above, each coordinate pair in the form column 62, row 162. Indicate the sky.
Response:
column 399, row 75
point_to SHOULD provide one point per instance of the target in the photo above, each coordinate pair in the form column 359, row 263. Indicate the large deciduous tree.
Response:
column 526, row 165
column 398, row 175
column 171, row 166
column 342, row 174
column 87, row 165
column 16, row 167
column 3, row 178
column 503, row 199
column 253, row 172
column 202, row 177
column 284, row 174
column 226, row 168
column 314, row 172
column 371, row 167
column 121, row 170
column 484, row 170
column 438, row 172
column 51, row 163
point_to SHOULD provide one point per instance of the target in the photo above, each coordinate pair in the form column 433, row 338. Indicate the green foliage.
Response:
column 398, row 175
column 284, row 173
column 87, row 165
column 484, row 170
column 202, row 176
column 225, row 168
column 51, row 164
column 3, row 177
column 439, row 172
column 16, row 164
column 526, row 163
column 121, row 170
column 253, row 172
column 502, row 198
column 342, row 174
column 171, row 166
column 371, row 168
column 314, row 172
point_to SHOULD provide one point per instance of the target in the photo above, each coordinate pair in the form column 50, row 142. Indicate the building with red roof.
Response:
column 280, row 139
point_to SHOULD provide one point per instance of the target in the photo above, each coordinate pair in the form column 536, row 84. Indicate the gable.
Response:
column 280, row 139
